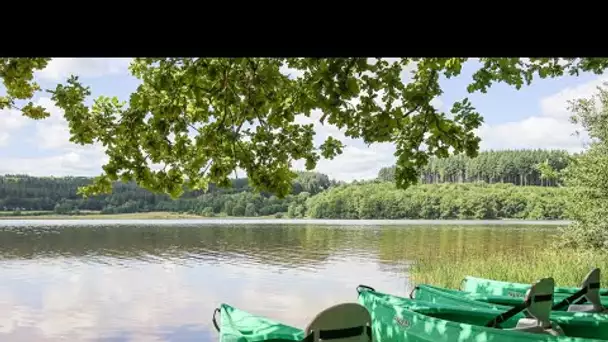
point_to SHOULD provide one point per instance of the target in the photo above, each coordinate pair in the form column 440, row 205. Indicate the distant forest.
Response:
column 519, row 167
column 25, row 193
column 316, row 195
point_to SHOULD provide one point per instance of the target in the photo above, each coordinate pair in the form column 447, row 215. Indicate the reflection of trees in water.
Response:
column 282, row 245
column 294, row 246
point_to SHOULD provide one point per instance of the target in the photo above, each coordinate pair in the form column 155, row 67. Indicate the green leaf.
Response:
column 331, row 148
column 35, row 112
column 353, row 86
column 5, row 102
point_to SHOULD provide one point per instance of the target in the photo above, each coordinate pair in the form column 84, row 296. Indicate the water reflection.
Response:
column 162, row 282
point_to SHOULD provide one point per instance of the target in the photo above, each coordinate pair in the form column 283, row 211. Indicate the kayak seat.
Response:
column 585, row 308
column 539, row 301
column 347, row 322
column 530, row 325
column 591, row 288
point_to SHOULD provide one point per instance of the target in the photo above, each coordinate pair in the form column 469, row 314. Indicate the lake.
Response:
column 161, row 280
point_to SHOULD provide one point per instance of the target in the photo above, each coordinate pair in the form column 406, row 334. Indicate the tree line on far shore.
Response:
column 315, row 195
column 383, row 200
column 520, row 167
column 20, row 193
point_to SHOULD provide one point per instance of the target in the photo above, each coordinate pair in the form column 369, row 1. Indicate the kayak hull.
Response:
column 508, row 300
column 398, row 319
column 504, row 288
column 580, row 324
column 241, row 326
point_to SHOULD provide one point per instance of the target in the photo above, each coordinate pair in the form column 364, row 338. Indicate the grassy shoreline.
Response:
column 566, row 266
column 156, row 215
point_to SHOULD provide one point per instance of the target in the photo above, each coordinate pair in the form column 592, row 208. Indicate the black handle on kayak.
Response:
column 362, row 287
column 495, row 322
column 217, row 327
column 326, row 335
column 412, row 292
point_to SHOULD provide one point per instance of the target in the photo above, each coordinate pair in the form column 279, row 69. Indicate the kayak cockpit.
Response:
column 537, row 307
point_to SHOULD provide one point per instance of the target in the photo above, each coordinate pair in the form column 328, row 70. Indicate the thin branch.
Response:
column 194, row 128
column 13, row 106
column 226, row 71
column 263, row 87
column 208, row 166
column 227, row 112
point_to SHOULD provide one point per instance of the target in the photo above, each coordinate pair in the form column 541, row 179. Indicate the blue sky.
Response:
column 533, row 117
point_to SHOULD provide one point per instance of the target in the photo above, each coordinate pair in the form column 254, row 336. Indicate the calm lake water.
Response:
column 161, row 280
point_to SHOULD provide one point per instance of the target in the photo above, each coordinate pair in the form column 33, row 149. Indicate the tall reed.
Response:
column 567, row 267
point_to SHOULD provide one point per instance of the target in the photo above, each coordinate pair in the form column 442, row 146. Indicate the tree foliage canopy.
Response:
column 202, row 118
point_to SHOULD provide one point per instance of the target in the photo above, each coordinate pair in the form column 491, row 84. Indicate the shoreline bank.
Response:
column 196, row 219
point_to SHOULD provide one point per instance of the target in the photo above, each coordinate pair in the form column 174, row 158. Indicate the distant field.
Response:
column 40, row 215
column 25, row 212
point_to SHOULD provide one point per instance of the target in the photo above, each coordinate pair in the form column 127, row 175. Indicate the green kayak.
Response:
column 398, row 319
column 509, row 300
column 238, row 325
column 580, row 324
column 503, row 288
column 348, row 321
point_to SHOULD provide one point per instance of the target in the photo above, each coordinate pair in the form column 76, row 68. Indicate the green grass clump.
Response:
column 567, row 267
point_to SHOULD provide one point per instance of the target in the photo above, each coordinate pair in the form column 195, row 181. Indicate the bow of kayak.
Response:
column 343, row 322
column 514, row 289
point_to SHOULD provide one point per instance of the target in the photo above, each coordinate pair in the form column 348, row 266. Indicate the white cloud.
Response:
column 357, row 161
column 549, row 129
column 532, row 132
column 61, row 68
column 51, row 135
column 556, row 105
column 53, row 132
column 83, row 162
column 10, row 121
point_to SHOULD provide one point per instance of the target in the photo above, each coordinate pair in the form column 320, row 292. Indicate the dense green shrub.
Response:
column 382, row 200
